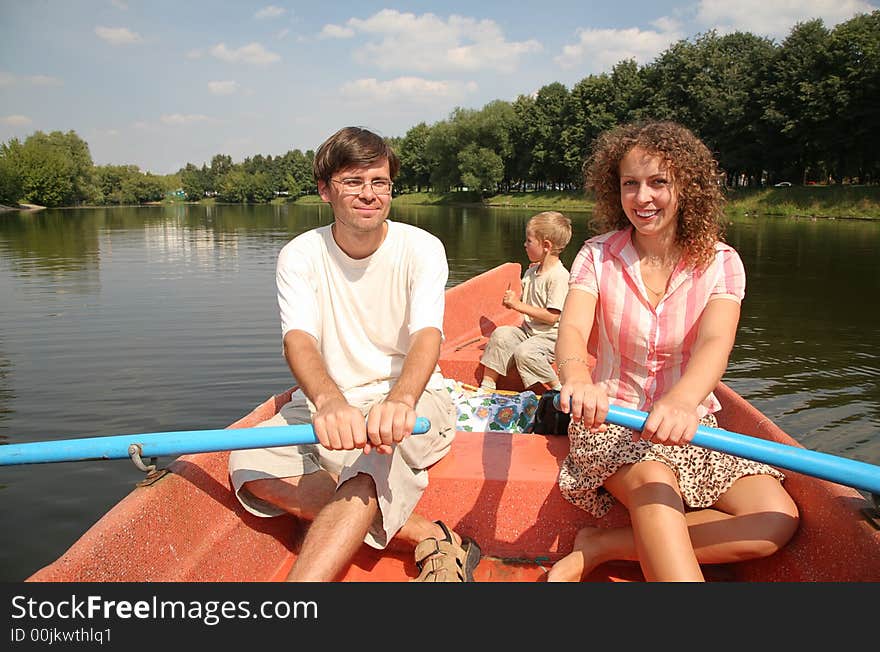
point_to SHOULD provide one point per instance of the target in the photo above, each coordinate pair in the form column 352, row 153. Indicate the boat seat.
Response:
column 485, row 487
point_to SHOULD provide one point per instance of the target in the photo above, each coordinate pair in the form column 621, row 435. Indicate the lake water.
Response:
column 134, row 320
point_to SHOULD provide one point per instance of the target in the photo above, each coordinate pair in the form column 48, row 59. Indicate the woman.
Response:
column 660, row 292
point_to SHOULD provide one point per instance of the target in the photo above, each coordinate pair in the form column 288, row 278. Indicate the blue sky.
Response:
column 159, row 84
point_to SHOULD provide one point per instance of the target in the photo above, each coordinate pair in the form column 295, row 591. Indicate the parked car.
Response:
column 782, row 184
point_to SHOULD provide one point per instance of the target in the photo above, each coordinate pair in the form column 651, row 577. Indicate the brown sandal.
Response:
column 440, row 560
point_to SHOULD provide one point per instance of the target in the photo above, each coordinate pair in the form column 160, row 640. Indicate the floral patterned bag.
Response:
column 496, row 411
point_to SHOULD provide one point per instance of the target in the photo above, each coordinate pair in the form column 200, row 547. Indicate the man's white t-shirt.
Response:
column 364, row 312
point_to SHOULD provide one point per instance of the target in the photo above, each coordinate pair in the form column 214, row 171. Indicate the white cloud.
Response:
column 428, row 43
column 336, row 31
column 270, row 11
column 251, row 53
column 118, row 35
column 223, row 87
column 775, row 19
column 195, row 54
column 7, row 79
column 282, row 33
column 407, row 89
column 667, row 24
column 44, row 80
column 183, row 119
column 16, row 120
column 600, row 49
column 119, row 4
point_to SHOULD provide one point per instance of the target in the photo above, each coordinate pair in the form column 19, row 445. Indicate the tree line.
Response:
column 803, row 110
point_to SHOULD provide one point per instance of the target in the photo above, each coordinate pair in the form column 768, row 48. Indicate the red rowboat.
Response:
column 498, row 488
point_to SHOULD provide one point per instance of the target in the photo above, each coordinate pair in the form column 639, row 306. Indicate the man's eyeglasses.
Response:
column 356, row 186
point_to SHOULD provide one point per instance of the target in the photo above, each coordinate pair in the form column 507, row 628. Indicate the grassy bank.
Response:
column 842, row 202
column 861, row 202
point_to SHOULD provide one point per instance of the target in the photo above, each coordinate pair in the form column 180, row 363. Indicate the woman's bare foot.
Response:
column 577, row 564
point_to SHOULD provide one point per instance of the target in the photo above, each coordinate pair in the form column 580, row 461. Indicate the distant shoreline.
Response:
column 805, row 202
column 21, row 207
column 808, row 202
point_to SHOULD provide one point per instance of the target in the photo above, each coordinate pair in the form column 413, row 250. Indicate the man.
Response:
column 361, row 305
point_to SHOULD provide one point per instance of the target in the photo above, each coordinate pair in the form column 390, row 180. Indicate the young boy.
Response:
column 545, row 285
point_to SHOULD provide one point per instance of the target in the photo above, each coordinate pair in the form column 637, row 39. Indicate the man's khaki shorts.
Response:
column 402, row 474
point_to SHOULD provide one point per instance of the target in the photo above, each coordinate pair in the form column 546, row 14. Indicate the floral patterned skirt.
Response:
column 703, row 474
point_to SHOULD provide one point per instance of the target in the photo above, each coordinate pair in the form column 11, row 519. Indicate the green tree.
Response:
column 415, row 169
column 711, row 85
column 518, row 168
column 126, row 184
column 545, row 134
column 493, row 129
column 296, row 166
column 855, row 54
column 82, row 167
column 235, row 186
column 221, row 165
column 735, row 129
column 54, row 169
column 147, row 187
column 595, row 104
column 441, row 152
column 480, row 168
column 799, row 100
column 109, row 180
column 195, row 182
column 291, row 185
column 261, row 188
column 11, row 188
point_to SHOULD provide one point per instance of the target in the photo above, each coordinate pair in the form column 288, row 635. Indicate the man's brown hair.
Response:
column 352, row 147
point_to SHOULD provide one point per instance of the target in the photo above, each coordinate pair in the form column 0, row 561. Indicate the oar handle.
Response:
column 851, row 473
column 160, row 444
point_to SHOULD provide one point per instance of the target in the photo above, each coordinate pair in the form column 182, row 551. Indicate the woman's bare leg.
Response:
column 754, row 518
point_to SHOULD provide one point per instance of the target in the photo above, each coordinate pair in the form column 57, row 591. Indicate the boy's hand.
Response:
column 509, row 300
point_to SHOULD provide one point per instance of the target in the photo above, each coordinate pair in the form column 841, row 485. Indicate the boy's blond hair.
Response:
column 552, row 226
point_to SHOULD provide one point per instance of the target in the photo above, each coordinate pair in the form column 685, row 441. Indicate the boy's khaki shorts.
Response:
column 531, row 354
column 402, row 474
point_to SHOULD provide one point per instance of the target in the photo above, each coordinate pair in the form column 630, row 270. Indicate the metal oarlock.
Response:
column 134, row 452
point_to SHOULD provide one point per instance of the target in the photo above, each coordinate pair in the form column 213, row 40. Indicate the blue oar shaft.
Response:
column 850, row 473
column 161, row 444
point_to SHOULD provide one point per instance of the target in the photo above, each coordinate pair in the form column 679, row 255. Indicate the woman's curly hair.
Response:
column 693, row 171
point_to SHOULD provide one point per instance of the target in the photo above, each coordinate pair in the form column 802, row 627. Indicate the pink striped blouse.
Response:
column 641, row 351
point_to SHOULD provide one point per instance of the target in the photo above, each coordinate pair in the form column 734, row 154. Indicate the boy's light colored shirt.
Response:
column 642, row 351
column 546, row 289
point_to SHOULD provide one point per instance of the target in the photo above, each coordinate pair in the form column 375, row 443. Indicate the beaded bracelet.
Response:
column 572, row 358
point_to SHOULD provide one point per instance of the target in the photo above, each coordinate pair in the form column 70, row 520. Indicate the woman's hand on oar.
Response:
column 850, row 473
column 160, row 444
